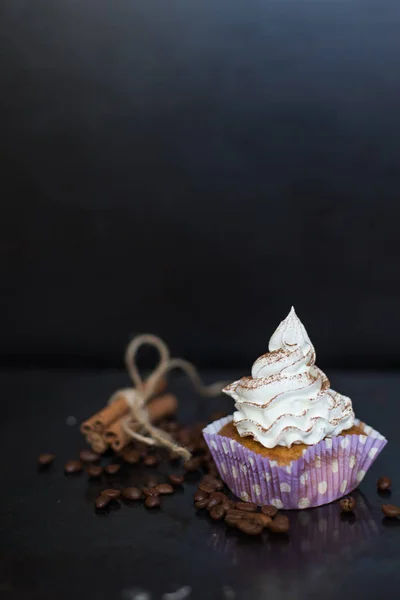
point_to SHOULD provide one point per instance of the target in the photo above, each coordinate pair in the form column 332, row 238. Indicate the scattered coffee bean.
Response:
column 46, row 459
column 89, row 456
column 227, row 504
column 150, row 460
column 390, row 510
column 200, row 504
column 213, row 471
column 102, row 501
column 280, row 524
column 264, row 520
column 152, row 501
column 213, row 501
column 269, row 510
column 201, row 495
column 73, row 466
column 112, row 469
column 384, row 483
column 347, row 504
column 132, row 457
column 249, row 527
column 165, row 488
column 219, row 495
column 213, row 482
column 94, row 470
column 176, row 479
column 193, row 464
column 246, row 506
column 233, row 513
column 204, row 487
column 132, row 493
column 217, row 512
column 152, row 491
column 111, row 493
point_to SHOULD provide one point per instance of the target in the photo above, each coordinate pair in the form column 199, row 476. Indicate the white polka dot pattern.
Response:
column 223, row 468
column 335, row 466
column 362, row 439
column 318, row 462
column 251, row 461
column 352, row 461
column 244, row 496
column 225, row 447
column 322, row 487
column 328, row 443
column 343, row 486
column 234, row 472
column 360, row 476
column 304, row 503
column 257, row 490
column 304, row 477
column 372, row 452
column 277, row 502
column 285, row 487
column 344, row 442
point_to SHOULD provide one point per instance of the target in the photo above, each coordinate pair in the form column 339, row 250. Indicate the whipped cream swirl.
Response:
column 287, row 400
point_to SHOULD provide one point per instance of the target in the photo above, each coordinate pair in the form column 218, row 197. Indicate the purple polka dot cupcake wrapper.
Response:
column 327, row 471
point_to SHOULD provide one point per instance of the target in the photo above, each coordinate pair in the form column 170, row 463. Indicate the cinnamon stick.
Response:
column 159, row 408
column 96, row 441
column 110, row 413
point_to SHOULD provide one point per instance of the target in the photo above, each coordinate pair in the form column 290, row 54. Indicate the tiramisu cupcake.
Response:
column 293, row 442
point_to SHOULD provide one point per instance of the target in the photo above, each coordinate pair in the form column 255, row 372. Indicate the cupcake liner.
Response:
column 327, row 471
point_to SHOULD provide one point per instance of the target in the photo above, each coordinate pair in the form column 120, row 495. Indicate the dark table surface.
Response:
column 54, row 546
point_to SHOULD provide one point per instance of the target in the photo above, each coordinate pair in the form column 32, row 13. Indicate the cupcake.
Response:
column 293, row 442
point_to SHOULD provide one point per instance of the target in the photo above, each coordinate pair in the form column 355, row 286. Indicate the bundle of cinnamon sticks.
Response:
column 105, row 428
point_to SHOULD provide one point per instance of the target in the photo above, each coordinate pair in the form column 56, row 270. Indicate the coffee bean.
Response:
column 94, row 470
column 153, row 491
column 112, row 469
column 269, row 510
column 264, row 520
column 132, row 457
column 131, row 493
column 231, row 521
column 193, row 464
column 280, row 524
column 150, row 460
column 73, row 466
column 200, row 504
column 200, row 495
column 384, row 483
column 219, row 495
column 212, row 470
column 249, row 527
column 246, row 506
column 165, row 488
column 111, row 493
column 89, row 456
column 213, row 482
column 227, row 504
column 102, row 501
column 46, row 459
column 176, row 479
column 390, row 510
column 212, row 501
column 347, row 504
column 204, row 487
column 238, row 514
column 152, row 501
column 217, row 512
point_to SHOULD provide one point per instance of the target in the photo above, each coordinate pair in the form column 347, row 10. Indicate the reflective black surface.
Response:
column 54, row 545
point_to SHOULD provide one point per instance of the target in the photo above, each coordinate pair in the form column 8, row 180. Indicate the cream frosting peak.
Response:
column 287, row 399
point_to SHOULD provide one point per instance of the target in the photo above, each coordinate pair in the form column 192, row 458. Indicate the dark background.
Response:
column 194, row 168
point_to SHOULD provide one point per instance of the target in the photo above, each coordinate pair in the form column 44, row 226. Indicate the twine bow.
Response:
column 138, row 396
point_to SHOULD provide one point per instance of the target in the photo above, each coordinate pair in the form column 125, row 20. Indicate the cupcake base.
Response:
column 323, row 473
